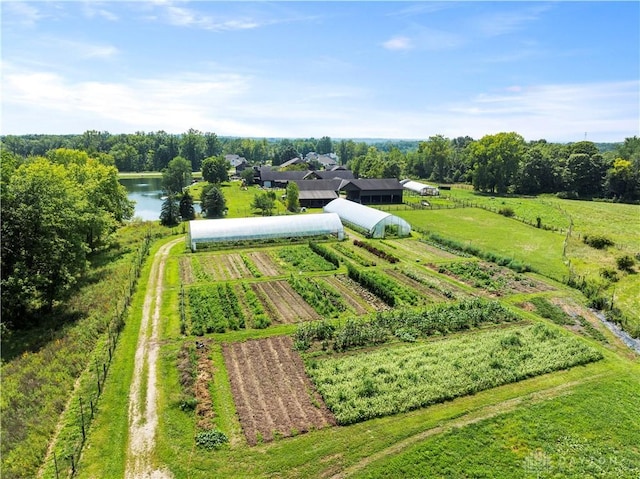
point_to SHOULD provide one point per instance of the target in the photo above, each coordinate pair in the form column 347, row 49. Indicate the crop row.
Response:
column 326, row 253
column 405, row 324
column 384, row 287
column 260, row 318
column 405, row 377
column 214, row 308
column 250, row 266
column 325, row 300
column 376, row 251
column 349, row 253
column 304, row 259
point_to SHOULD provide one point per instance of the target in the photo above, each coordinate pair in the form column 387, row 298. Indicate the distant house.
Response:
column 291, row 162
column 343, row 174
column 373, row 191
column 237, row 162
column 273, row 178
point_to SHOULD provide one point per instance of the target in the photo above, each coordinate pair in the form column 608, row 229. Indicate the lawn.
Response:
column 488, row 231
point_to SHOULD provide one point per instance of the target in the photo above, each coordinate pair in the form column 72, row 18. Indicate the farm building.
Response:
column 374, row 222
column 373, row 191
column 268, row 227
column 420, row 188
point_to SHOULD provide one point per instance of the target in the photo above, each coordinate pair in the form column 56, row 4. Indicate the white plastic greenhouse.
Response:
column 420, row 188
column 371, row 220
column 268, row 227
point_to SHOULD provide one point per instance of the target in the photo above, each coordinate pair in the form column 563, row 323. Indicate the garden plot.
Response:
column 395, row 379
column 495, row 279
column 273, row 396
column 224, row 267
column 421, row 250
column 429, row 289
column 264, row 263
column 282, row 303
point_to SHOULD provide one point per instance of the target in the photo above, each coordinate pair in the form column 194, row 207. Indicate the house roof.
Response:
column 317, row 195
column 372, row 184
column 267, row 174
column 326, row 185
column 332, row 174
column 293, row 161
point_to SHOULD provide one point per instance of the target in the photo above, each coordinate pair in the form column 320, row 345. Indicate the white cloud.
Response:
column 27, row 14
column 92, row 9
column 228, row 103
column 398, row 43
column 502, row 23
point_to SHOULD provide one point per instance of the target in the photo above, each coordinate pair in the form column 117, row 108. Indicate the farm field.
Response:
column 540, row 248
column 443, row 373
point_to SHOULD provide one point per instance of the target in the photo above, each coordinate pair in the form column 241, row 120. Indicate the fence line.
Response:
column 66, row 466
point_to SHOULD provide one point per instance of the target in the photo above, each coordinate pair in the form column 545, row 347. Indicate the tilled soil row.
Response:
column 273, row 395
column 290, row 306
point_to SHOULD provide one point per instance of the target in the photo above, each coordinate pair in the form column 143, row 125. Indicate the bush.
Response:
column 625, row 262
column 597, row 241
column 507, row 211
column 211, row 439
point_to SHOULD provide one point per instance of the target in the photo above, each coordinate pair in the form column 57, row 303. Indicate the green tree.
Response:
column 495, row 161
column 265, row 202
column 586, row 174
column 324, row 145
column 176, row 175
column 43, row 249
column 212, row 145
column 192, row 148
column 215, row 169
column 187, row 211
column 622, row 182
column 247, row 176
column 293, row 194
column 170, row 211
column 213, row 201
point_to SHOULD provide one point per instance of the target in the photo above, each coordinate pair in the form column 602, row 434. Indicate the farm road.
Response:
column 143, row 415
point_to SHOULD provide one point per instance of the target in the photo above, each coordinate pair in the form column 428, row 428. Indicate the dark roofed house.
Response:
column 330, row 174
column 270, row 178
column 317, row 193
column 373, row 191
column 291, row 162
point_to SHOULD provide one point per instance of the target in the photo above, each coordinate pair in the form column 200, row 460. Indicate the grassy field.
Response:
column 559, row 423
column 492, row 232
column 544, row 421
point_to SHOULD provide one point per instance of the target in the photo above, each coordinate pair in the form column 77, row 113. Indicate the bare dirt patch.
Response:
column 284, row 304
column 224, row 267
column 371, row 299
column 204, row 404
column 272, row 393
column 264, row 263
column 186, row 271
column 353, row 300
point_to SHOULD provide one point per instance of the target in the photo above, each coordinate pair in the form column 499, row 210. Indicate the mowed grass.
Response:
column 492, row 232
column 569, row 436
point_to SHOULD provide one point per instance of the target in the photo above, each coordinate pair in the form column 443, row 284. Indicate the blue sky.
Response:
column 552, row 70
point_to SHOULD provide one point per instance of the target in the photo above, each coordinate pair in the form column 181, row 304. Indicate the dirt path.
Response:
column 487, row 412
column 143, row 416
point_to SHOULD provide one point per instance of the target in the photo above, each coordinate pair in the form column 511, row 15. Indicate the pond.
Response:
column 147, row 193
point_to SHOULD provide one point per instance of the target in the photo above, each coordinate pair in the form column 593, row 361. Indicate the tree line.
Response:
column 500, row 163
column 56, row 210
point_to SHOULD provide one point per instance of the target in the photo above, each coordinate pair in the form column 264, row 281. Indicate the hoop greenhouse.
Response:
column 371, row 220
column 269, row 227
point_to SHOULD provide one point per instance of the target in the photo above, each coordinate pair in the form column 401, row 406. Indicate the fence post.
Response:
column 55, row 463
column 81, row 421
column 98, row 377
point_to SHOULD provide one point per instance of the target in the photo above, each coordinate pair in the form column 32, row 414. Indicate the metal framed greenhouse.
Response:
column 374, row 222
column 420, row 188
column 267, row 227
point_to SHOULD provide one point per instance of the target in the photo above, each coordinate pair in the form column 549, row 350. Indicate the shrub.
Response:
column 597, row 241
column 211, row 439
column 610, row 274
column 507, row 211
column 625, row 262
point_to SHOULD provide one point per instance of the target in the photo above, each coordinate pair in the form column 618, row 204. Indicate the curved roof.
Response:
column 370, row 219
column 416, row 186
column 234, row 229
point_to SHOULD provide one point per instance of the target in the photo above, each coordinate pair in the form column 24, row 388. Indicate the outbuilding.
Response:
column 267, row 227
column 374, row 223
